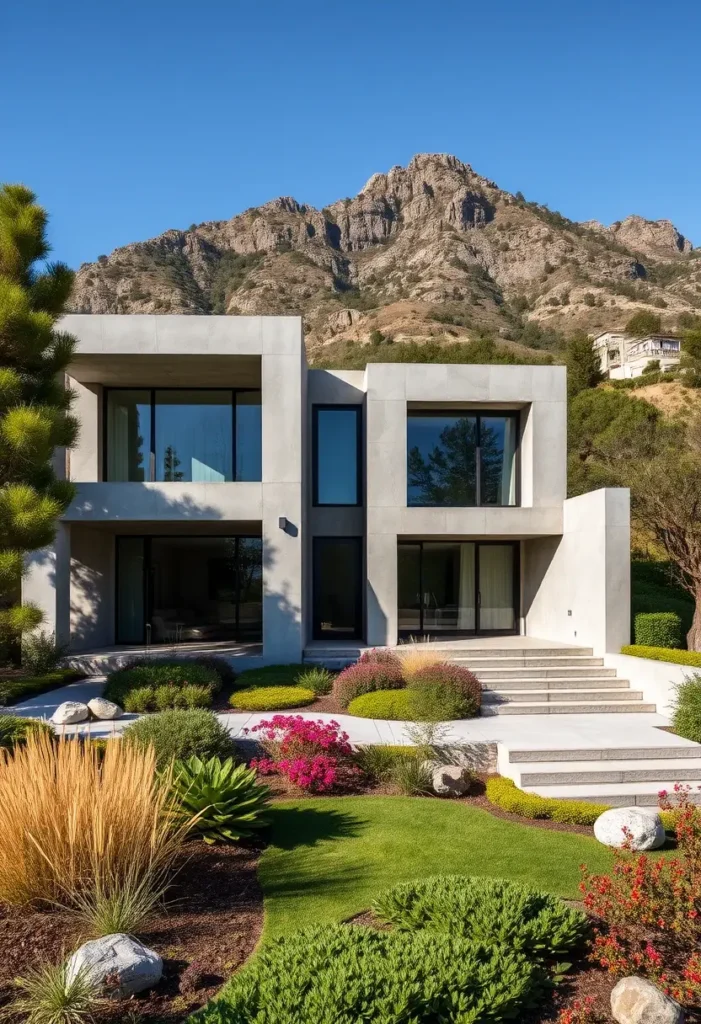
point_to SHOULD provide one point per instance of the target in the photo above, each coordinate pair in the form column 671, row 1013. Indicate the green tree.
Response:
column 690, row 361
column 643, row 323
column 34, row 404
column 583, row 364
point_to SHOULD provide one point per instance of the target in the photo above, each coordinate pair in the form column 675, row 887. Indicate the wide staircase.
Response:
column 527, row 681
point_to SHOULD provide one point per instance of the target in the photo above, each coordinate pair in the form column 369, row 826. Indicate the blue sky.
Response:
column 133, row 117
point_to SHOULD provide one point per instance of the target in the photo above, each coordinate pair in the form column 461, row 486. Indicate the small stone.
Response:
column 104, row 709
column 637, row 1001
column 450, row 780
column 117, row 965
column 70, row 712
column 642, row 828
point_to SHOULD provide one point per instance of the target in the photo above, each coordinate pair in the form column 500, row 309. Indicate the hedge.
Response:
column 686, row 718
column 658, row 629
column 504, row 793
column 161, row 684
column 271, row 698
column 692, row 658
column 270, row 675
column 16, row 689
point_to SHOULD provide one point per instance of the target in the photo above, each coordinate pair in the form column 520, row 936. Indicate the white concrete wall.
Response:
column 92, row 588
column 577, row 587
column 657, row 679
column 46, row 584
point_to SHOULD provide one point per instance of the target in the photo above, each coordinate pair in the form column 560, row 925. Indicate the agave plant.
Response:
column 223, row 801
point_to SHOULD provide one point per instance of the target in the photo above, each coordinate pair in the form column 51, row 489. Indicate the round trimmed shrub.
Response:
column 366, row 677
column 446, row 692
column 493, row 911
column 686, row 717
column 270, row 675
column 658, row 629
column 271, row 698
column 341, row 973
column 181, row 733
column 392, row 705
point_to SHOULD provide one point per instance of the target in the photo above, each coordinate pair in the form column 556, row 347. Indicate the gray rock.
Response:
column 117, row 965
column 450, row 780
column 645, row 827
column 104, row 709
column 70, row 712
column 637, row 1001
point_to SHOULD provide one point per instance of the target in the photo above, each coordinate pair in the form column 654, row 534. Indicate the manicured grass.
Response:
column 329, row 858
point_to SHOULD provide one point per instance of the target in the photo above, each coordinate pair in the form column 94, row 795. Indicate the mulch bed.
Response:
column 214, row 922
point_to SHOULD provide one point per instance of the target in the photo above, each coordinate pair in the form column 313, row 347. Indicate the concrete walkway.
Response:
column 534, row 732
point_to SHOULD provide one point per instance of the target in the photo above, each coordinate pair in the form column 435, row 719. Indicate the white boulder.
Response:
column 70, row 712
column 104, row 709
column 450, row 780
column 117, row 965
column 637, row 1001
column 645, row 828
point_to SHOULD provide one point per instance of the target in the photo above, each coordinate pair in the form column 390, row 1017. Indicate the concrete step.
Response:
column 572, row 661
column 597, row 707
column 691, row 751
column 553, row 696
column 580, row 773
column 572, row 683
column 464, row 653
column 559, row 672
column 626, row 794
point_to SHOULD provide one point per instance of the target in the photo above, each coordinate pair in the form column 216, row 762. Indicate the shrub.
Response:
column 16, row 689
column 41, row 654
column 445, row 691
column 366, row 677
column 48, row 996
column 270, row 675
column 164, row 679
column 686, row 717
column 379, row 656
column 391, row 705
column 650, row 906
column 317, row 679
column 315, row 756
column 415, row 657
column 271, row 698
column 14, row 730
column 658, row 629
column 377, row 760
column 225, row 800
column 692, row 658
column 179, row 734
column 340, row 973
column 92, row 821
column 412, row 776
column 194, row 696
column 506, row 794
column 493, row 911
column 106, row 909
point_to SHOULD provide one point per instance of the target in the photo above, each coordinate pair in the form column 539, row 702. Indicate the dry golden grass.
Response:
column 417, row 656
column 70, row 822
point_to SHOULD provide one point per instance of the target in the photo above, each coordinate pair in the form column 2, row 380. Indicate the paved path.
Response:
column 532, row 732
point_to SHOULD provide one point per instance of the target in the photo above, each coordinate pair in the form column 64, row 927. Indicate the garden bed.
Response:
column 215, row 921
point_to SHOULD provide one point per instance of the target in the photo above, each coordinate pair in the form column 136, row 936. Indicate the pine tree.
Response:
column 34, row 404
column 583, row 365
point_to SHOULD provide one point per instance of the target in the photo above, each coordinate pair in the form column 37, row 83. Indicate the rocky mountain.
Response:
column 428, row 251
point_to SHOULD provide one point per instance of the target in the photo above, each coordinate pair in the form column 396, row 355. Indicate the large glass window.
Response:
column 460, row 459
column 204, row 435
column 336, row 433
column 189, row 589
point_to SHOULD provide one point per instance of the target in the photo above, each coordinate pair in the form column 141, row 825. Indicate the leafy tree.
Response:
column 643, row 323
column 583, row 364
column 34, row 417
column 690, row 361
column 171, row 463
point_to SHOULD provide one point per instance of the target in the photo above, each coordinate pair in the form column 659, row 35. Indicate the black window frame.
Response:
column 479, row 414
column 147, row 539
column 152, row 452
column 358, row 410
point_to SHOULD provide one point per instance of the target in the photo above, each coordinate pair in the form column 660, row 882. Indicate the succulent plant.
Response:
column 225, row 801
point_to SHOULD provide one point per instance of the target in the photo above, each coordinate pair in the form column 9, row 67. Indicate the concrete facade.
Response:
column 573, row 555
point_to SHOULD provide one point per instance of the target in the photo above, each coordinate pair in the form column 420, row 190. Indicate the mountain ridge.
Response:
column 430, row 251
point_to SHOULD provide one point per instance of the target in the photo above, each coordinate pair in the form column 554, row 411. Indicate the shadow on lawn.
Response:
column 306, row 826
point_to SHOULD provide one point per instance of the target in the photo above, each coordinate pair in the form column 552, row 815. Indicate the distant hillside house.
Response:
column 623, row 356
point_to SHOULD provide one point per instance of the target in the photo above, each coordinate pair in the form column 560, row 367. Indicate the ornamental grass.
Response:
column 72, row 821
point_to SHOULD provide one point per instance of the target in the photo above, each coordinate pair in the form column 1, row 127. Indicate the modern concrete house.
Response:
column 229, row 497
column 622, row 356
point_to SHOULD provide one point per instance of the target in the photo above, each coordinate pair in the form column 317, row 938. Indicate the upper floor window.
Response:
column 461, row 458
column 336, row 433
column 173, row 434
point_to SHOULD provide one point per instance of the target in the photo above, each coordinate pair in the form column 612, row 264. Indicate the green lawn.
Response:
column 328, row 858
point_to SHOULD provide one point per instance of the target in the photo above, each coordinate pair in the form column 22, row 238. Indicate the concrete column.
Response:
column 47, row 584
column 85, row 458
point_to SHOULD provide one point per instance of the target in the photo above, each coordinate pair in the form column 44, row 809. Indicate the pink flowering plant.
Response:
column 314, row 755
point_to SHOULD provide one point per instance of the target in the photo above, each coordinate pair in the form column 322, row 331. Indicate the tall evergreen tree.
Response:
column 583, row 364
column 34, row 404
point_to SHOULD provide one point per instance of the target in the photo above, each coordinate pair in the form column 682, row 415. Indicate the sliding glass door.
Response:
column 457, row 588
